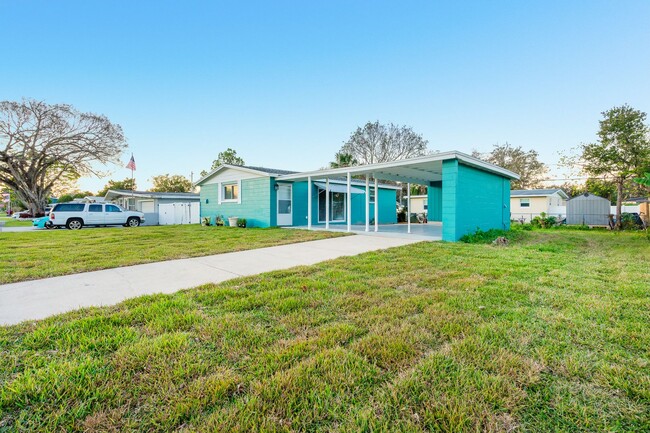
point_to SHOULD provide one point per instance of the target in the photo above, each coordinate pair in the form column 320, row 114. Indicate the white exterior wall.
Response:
column 417, row 204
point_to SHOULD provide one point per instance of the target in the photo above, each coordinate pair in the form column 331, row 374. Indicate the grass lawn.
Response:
column 548, row 334
column 10, row 222
column 31, row 255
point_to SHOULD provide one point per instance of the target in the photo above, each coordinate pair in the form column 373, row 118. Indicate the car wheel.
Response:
column 49, row 225
column 74, row 224
column 133, row 222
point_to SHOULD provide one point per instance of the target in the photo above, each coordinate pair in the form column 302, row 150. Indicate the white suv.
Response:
column 76, row 215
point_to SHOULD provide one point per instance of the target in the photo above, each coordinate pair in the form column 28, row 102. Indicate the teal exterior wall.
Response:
column 472, row 199
column 434, row 201
column 386, row 206
column 257, row 202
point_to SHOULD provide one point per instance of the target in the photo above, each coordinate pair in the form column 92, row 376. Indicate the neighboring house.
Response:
column 588, row 209
column 271, row 197
column 150, row 203
column 525, row 204
column 419, row 204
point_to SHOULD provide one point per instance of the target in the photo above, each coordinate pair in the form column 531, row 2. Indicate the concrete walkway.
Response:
column 31, row 300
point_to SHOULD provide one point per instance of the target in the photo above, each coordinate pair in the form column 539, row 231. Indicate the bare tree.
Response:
column 380, row 143
column 42, row 143
column 525, row 163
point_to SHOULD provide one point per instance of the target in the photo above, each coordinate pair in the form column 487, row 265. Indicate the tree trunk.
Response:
column 619, row 203
column 34, row 200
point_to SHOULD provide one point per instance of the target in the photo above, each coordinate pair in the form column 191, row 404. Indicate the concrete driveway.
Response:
column 31, row 300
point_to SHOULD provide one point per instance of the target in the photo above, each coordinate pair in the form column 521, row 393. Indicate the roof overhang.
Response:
column 532, row 195
column 112, row 194
column 223, row 167
column 420, row 170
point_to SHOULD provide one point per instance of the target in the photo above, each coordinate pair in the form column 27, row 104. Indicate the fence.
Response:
column 589, row 219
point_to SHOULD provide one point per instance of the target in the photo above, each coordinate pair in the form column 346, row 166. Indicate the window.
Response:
column 230, row 192
column 112, row 208
column 371, row 198
column 426, row 204
column 524, row 202
column 337, row 206
column 69, row 207
column 95, row 208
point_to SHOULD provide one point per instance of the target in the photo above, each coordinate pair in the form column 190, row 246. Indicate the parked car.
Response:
column 76, row 215
column 43, row 222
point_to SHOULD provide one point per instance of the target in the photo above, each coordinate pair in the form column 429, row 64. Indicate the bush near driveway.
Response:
column 547, row 334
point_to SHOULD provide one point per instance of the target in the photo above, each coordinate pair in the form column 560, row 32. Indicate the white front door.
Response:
column 284, row 205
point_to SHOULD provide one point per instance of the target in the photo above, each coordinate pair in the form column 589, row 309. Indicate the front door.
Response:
column 284, row 205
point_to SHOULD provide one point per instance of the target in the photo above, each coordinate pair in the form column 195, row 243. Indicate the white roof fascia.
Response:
column 369, row 168
column 234, row 167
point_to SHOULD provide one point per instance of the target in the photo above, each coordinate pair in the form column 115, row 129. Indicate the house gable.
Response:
column 230, row 174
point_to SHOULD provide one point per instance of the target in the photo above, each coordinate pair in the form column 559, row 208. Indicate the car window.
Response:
column 95, row 208
column 69, row 207
column 112, row 208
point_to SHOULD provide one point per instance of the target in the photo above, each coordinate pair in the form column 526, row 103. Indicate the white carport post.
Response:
column 376, row 206
column 308, row 202
column 349, row 206
column 327, row 203
column 367, row 203
column 408, row 207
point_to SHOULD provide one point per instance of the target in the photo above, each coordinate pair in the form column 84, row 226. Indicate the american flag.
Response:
column 131, row 163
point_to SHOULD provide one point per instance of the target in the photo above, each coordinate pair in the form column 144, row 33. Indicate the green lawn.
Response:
column 548, row 334
column 30, row 255
column 10, row 222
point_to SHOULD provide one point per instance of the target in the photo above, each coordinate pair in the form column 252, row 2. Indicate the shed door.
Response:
column 284, row 205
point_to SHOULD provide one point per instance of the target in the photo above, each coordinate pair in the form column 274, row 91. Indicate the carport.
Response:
column 464, row 193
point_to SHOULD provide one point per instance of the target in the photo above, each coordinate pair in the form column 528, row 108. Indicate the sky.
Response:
column 285, row 83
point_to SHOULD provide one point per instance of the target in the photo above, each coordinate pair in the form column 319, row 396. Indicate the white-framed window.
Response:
column 230, row 192
column 426, row 204
column 371, row 196
column 524, row 202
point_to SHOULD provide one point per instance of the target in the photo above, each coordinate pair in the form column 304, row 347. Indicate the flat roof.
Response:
column 420, row 170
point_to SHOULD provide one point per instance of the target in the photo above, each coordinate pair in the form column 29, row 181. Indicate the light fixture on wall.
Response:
column 276, row 187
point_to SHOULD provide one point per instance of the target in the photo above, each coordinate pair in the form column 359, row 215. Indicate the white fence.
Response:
column 178, row 213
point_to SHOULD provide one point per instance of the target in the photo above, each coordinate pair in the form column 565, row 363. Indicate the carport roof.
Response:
column 420, row 170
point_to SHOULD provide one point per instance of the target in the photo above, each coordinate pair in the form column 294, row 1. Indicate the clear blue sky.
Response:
column 285, row 83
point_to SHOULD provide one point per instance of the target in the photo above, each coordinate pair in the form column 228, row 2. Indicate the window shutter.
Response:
column 219, row 193
column 239, row 191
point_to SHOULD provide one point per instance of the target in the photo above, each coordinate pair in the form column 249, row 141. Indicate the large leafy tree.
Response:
column 127, row 184
column 42, row 144
column 622, row 151
column 525, row 163
column 375, row 142
column 645, row 180
column 171, row 183
column 228, row 156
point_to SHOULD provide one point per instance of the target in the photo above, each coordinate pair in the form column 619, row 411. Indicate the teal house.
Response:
column 464, row 194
